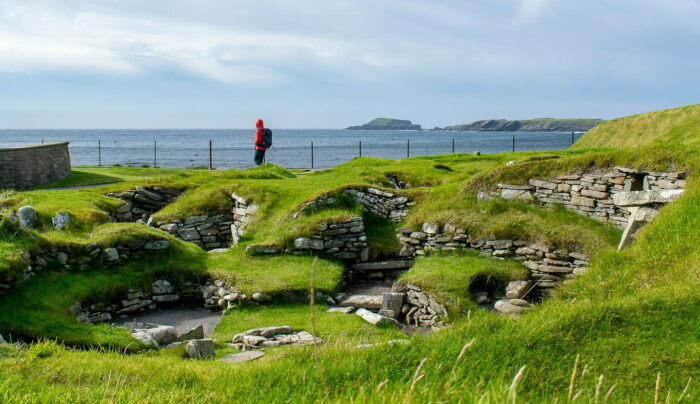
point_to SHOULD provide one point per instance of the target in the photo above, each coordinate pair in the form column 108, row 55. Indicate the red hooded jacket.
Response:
column 259, row 135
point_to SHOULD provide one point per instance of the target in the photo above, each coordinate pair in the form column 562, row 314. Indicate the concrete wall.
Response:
column 26, row 167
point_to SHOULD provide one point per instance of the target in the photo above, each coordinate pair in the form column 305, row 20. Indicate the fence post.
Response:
column 360, row 148
column 99, row 153
column 155, row 153
column 572, row 137
column 408, row 147
column 514, row 142
column 312, row 155
column 453, row 145
column 210, row 156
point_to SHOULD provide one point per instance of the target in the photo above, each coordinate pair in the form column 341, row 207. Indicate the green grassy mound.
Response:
column 631, row 319
column 676, row 126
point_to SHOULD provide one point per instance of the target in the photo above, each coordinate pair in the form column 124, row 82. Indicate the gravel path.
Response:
column 183, row 319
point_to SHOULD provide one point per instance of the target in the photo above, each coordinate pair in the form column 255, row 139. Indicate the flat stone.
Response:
column 303, row 243
column 372, row 302
column 189, row 234
column 639, row 216
column 517, row 194
column 243, row 357
column 345, row 310
column 383, row 265
column 640, row 198
column 375, row 319
column 431, row 228
column 542, row 184
column 506, row 307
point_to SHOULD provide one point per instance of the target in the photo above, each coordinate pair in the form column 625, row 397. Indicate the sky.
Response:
column 335, row 63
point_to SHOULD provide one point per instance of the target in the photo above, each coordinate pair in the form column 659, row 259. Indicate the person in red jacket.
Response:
column 259, row 142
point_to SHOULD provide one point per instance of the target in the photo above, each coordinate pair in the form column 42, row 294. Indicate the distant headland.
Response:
column 387, row 124
column 528, row 125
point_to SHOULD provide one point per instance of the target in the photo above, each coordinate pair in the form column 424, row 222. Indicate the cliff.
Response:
column 529, row 125
column 387, row 124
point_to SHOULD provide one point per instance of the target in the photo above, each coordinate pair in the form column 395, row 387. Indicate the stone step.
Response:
column 383, row 265
column 370, row 302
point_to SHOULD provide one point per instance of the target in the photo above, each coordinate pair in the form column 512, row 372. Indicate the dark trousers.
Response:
column 259, row 156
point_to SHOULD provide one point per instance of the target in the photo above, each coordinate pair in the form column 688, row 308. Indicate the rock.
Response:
column 518, row 289
column 483, row 196
column 219, row 250
column 199, row 349
column 261, row 249
column 506, row 307
column 481, row 297
column 163, row 334
column 431, row 228
column 243, row 357
column 145, row 338
column 261, row 297
column 638, row 217
column 28, row 218
column 304, row 243
column 111, row 254
column 640, row 198
column 162, row 287
column 61, row 220
column 375, row 319
column 345, row 310
column 189, row 234
column 391, row 304
column 165, row 298
column 516, row 194
column 476, row 153
column 195, row 333
column 372, row 302
column 156, row 245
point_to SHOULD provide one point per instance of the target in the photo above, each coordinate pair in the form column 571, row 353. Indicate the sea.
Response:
column 292, row 148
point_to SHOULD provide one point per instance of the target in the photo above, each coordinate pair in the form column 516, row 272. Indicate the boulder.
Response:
column 28, row 218
column 243, row 357
column 61, row 220
column 391, row 304
column 199, row 349
column 163, row 334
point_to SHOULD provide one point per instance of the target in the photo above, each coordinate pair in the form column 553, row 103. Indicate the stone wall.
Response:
column 83, row 258
column 207, row 231
column 27, row 167
column 141, row 203
column 383, row 204
column 345, row 241
column 419, row 308
column 547, row 266
column 593, row 194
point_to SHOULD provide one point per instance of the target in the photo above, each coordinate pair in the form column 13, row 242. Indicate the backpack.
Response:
column 267, row 138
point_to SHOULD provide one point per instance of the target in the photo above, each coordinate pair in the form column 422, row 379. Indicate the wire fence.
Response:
column 195, row 151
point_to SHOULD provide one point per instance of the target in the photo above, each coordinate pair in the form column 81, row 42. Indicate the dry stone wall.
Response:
column 383, row 204
column 26, row 167
column 547, row 266
column 593, row 194
column 141, row 203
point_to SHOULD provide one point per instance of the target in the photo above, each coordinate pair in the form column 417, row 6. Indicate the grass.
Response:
column 631, row 317
column 449, row 278
column 676, row 126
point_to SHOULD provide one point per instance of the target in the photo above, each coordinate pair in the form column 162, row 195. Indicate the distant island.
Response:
column 528, row 125
column 387, row 124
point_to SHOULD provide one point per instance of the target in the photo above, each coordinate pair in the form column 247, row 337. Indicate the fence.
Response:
column 297, row 152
